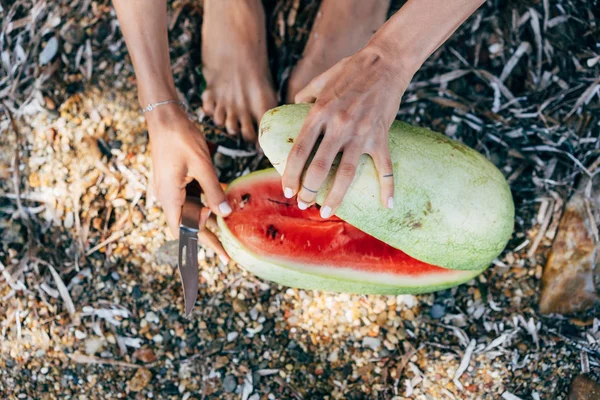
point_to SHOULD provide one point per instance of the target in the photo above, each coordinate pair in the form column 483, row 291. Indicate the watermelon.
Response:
column 452, row 207
column 271, row 237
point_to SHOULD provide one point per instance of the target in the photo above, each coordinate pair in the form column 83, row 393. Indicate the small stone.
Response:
column 372, row 342
column 145, row 355
column 333, row 357
column 437, row 311
column 79, row 334
column 115, row 276
column 152, row 317
column 139, row 381
column 157, row 338
column 230, row 384
column 93, row 345
column 50, row 104
column 231, row 336
column 253, row 314
column 44, row 370
column 69, row 220
column 239, row 306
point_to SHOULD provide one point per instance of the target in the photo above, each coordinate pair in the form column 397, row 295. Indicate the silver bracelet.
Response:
column 152, row 106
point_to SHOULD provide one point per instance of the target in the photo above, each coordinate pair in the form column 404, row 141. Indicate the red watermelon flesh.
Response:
column 268, row 224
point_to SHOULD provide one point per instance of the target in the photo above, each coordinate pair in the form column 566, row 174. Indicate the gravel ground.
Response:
column 89, row 311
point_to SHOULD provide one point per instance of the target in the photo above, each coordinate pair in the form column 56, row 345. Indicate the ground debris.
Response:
column 516, row 82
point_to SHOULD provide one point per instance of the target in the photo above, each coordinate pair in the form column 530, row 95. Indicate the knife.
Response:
column 193, row 220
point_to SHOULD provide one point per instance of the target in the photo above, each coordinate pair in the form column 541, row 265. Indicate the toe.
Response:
column 208, row 102
column 266, row 102
column 248, row 131
column 219, row 116
column 232, row 122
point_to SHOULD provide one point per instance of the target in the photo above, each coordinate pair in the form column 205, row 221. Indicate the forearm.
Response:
column 420, row 27
column 144, row 26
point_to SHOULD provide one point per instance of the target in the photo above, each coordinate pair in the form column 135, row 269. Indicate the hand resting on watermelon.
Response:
column 356, row 101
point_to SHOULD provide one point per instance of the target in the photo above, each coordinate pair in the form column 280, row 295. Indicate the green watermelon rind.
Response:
column 326, row 278
column 452, row 207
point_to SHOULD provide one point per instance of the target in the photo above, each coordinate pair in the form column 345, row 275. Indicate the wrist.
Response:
column 147, row 96
column 167, row 115
column 386, row 58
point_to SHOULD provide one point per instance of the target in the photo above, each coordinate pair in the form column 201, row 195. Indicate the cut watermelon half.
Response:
column 271, row 237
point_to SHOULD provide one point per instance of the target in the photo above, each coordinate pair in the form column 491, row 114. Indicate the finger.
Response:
column 343, row 178
column 309, row 93
column 232, row 122
column 299, row 155
column 209, row 239
column 205, row 214
column 385, row 171
column 219, row 116
column 212, row 223
column 248, row 130
column 208, row 102
column 317, row 170
column 204, row 173
column 171, row 197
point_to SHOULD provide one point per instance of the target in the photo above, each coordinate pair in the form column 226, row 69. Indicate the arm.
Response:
column 144, row 26
column 357, row 100
column 420, row 27
column 179, row 150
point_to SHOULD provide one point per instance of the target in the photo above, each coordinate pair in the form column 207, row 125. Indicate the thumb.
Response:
column 310, row 93
column 204, row 173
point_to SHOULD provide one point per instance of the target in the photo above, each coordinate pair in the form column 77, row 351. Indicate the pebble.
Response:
column 115, row 276
column 437, row 311
column 231, row 336
column 139, row 381
column 230, row 384
column 157, row 338
column 93, row 345
column 333, row 356
column 79, row 334
column 145, row 355
column 44, row 370
column 372, row 342
column 152, row 317
column 239, row 306
column 253, row 314
column 69, row 220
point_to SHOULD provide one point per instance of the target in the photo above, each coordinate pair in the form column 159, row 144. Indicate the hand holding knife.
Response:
column 194, row 216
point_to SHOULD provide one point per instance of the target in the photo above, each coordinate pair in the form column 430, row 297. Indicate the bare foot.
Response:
column 341, row 28
column 235, row 65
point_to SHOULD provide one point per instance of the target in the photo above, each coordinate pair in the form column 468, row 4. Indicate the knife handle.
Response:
column 193, row 189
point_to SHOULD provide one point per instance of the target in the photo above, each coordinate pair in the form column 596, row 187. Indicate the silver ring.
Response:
column 310, row 190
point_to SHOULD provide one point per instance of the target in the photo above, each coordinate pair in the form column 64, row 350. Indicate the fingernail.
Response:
column 288, row 192
column 224, row 260
column 225, row 208
column 325, row 212
column 302, row 205
column 391, row 202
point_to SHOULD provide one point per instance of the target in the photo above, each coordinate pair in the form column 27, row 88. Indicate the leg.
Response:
column 341, row 28
column 234, row 56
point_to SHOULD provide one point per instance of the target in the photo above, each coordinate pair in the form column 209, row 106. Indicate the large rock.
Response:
column 572, row 275
column 584, row 388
